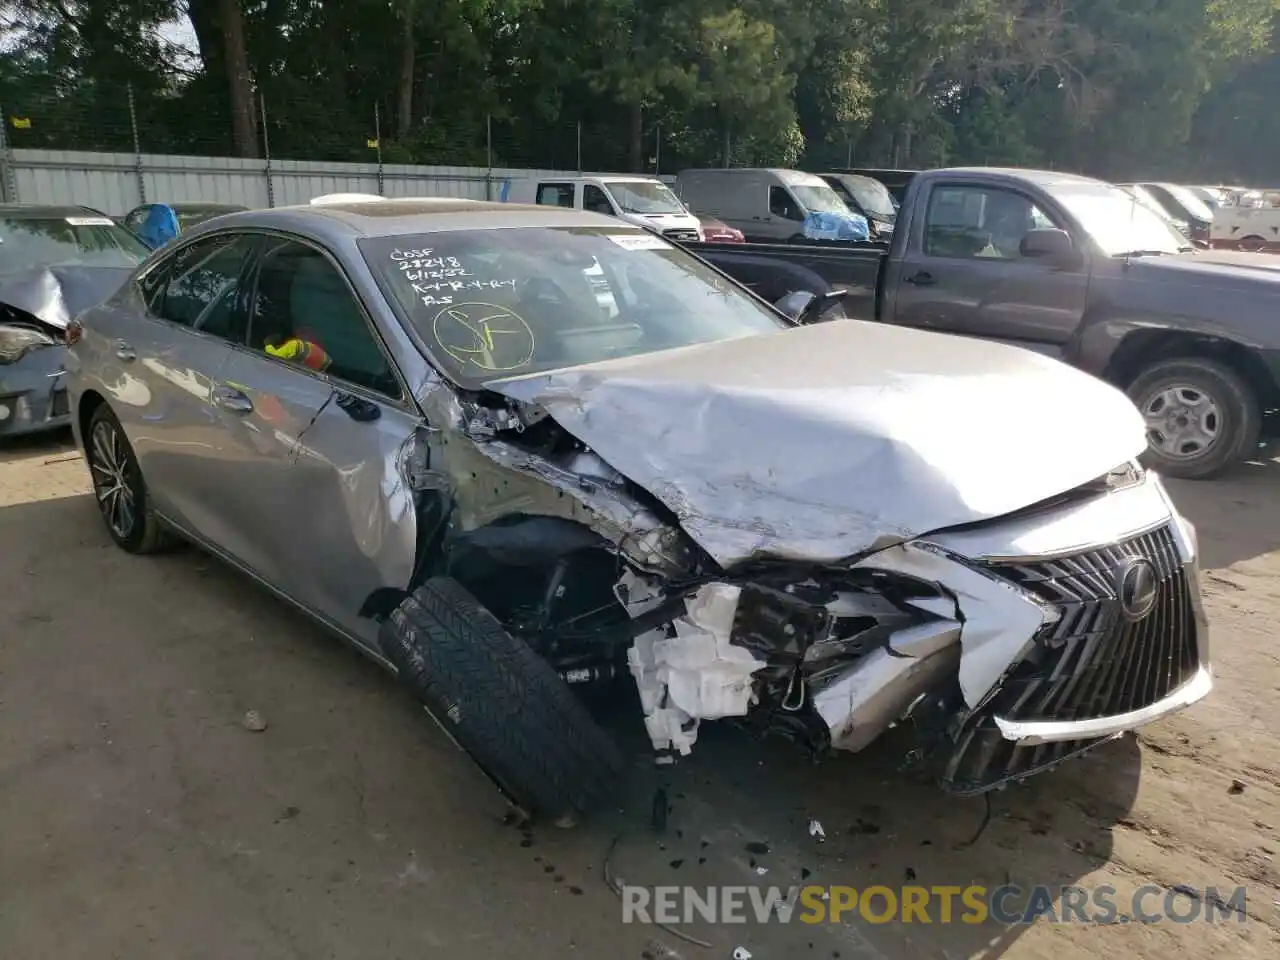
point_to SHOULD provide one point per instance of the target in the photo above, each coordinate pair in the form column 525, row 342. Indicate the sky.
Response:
column 179, row 32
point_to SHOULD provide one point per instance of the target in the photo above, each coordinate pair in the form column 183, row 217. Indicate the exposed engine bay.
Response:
column 603, row 579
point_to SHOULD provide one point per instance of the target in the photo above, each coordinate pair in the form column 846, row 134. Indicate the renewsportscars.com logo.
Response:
column 974, row 904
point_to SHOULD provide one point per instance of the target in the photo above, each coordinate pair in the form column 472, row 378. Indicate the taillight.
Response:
column 75, row 330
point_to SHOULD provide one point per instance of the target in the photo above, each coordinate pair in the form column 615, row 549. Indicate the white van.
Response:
column 646, row 201
column 766, row 204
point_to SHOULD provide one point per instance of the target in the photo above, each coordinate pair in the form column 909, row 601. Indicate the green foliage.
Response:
column 1176, row 88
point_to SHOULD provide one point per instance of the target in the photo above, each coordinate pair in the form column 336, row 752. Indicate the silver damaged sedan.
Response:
column 511, row 452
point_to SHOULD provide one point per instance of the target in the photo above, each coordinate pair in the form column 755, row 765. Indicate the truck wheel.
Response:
column 1252, row 244
column 500, row 702
column 1201, row 417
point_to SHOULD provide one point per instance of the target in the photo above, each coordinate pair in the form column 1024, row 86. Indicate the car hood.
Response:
column 1218, row 267
column 56, row 294
column 827, row 441
column 1238, row 258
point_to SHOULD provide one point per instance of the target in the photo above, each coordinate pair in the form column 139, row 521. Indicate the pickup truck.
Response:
column 1076, row 269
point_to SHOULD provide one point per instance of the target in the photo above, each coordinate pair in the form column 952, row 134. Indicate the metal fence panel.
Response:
column 117, row 182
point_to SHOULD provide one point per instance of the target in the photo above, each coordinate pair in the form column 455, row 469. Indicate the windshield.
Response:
column 1117, row 221
column 1210, row 196
column 1150, row 202
column 27, row 242
column 871, row 195
column 818, row 199
column 1189, row 201
column 502, row 303
column 644, row 196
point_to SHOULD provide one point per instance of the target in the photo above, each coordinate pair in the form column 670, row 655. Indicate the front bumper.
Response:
column 1039, row 689
column 33, row 393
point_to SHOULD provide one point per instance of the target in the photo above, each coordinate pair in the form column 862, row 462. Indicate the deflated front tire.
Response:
column 500, row 702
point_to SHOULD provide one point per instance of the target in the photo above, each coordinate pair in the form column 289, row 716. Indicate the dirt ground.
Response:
column 139, row 818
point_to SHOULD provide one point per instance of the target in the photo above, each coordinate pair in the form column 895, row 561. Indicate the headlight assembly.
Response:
column 16, row 341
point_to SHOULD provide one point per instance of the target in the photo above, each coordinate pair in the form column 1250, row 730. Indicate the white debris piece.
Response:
column 741, row 953
column 816, row 831
column 695, row 675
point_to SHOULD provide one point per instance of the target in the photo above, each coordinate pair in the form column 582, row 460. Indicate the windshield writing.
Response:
column 495, row 303
column 27, row 243
column 1117, row 221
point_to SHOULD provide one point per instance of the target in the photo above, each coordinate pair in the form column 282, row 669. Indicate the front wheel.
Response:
column 118, row 486
column 1201, row 416
column 500, row 702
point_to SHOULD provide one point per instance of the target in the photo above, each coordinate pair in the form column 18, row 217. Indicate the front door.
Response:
column 783, row 220
column 171, row 343
column 963, row 272
column 322, row 509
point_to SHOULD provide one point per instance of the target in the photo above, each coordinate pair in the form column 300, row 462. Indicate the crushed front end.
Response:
column 33, row 394
column 1008, row 645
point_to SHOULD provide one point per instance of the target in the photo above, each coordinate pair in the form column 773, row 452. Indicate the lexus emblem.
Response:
column 1135, row 582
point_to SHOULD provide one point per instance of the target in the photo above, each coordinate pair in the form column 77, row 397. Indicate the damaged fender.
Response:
column 997, row 620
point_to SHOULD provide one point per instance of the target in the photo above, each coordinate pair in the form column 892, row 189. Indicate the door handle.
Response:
column 229, row 398
column 124, row 351
column 922, row 279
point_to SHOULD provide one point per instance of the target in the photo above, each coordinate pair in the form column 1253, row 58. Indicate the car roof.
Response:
column 392, row 218
column 205, row 205
column 37, row 211
column 1038, row 177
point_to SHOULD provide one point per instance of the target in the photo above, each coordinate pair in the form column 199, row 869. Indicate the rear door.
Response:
column 320, row 507
column 963, row 273
column 169, row 343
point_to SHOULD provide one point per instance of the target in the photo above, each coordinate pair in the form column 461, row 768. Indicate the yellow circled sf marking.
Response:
column 472, row 333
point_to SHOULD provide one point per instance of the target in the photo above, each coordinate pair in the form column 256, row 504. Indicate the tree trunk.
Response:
column 725, row 159
column 204, row 22
column 244, row 127
column 637, row 138
column 408, row 55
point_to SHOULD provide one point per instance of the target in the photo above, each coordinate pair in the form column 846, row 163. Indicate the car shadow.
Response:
column 1237, row 515
column 737, row 812
column 740, row 812
column 53, row 443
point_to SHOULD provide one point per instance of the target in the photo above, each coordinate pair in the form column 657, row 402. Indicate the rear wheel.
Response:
column 1253, row 244
column 1201, row 417
column 500, row 702
column 119, row 487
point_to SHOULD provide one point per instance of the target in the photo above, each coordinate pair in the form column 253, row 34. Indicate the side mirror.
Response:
column 1048, row 244
column 795, row 303
column 804, row 306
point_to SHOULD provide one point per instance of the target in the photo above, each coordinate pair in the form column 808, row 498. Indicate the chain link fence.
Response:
column 130, row 121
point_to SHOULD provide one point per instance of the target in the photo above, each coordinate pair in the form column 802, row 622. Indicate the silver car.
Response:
column 418, row 422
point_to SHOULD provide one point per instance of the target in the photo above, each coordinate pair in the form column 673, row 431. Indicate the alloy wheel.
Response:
column 109, row 463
